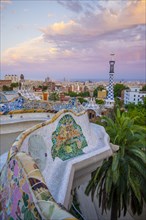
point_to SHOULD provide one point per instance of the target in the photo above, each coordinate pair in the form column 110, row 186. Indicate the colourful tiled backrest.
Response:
column 67, row 129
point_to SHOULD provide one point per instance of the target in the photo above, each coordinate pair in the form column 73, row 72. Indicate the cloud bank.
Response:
column 87, row 40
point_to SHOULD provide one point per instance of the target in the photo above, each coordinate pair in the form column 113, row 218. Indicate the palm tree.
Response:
column 120, row 182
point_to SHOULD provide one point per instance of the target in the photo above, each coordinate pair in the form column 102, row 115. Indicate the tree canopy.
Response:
column 7, row 88
column 75, row 94
column 143, row 88
column 15, row 85
column 99, row 88
column 54, row 96
column 118, row 89
column 121, row 179
column 138, row 112
column 99, row 101
column 81, row 100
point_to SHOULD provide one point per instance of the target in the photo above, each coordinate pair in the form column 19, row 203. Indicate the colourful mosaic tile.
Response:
column 16, row 200
column 23, row 190
column 21, row 103
column 68, row 139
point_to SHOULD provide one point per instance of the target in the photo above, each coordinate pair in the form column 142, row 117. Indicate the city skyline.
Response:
column 73, row 39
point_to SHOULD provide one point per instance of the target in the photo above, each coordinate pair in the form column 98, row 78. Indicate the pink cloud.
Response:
column 84, row 44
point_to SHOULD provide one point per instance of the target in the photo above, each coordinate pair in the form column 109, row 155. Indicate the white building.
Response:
column 134, row 95
column 14, row 78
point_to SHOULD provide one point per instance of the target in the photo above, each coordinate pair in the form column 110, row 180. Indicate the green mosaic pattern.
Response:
column 68, row 139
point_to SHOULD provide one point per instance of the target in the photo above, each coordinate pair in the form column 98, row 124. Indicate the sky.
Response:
column 73, row 39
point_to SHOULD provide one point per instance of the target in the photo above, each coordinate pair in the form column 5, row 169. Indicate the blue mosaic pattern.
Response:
column 22, row 103
column 10, row 106
column 68, row 139
column 73, row 104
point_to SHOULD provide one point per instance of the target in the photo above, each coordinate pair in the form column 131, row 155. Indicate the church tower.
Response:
column 110, row 97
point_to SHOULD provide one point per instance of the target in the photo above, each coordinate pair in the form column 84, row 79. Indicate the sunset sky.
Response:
column 73, row 38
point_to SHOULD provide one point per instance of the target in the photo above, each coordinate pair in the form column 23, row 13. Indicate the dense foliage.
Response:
column 118, row 88
column 99, row 88
column 99, row 101
column 10, row 88
column 14, row 85
column 75, row 94
column 138, row 112
column 44, row 88
column 54, row 96
column 143, row 88
column 7, row 88
column 81, row 100
column 120, row 182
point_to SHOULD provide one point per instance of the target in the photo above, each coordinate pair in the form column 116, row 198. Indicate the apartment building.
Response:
column 134, row 95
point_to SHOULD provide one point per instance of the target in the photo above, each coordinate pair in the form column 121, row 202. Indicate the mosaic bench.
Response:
column 67, row 148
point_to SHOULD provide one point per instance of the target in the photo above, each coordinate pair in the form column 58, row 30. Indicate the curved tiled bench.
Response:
column 67, row 148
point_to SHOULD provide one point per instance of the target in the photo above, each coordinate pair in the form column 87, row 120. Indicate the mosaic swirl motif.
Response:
column 68, row 139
